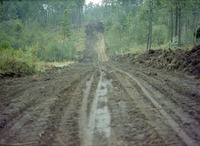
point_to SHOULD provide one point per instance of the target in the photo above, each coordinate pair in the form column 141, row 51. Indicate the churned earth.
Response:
column 100, row 102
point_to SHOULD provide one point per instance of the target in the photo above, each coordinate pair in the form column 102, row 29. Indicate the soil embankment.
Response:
column 167, row 59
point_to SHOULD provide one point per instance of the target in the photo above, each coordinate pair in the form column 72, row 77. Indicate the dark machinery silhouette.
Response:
column 94, row 26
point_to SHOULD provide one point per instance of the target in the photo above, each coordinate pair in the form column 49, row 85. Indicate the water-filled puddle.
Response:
column 99, row 118
column 103, row 118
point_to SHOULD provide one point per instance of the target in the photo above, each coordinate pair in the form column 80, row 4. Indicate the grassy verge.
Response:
column 18, row 62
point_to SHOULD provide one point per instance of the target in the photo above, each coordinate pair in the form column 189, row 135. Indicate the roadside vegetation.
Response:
column 140, row 25
column 35, row 31
column 161, row 34
column 18, row 62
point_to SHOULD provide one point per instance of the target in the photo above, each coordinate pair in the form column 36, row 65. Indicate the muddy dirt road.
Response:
column 100, row 103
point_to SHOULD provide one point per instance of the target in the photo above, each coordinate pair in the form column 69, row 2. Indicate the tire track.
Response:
column 129, row 125
column 29, row 99
column 169, row 121
column 31, row 121
column 169, row 92
column 68, row 131
column 92, row 115
column 83, row 110
column 183, row 119
column 98, row 126
column 176, row 104
column 34, row 115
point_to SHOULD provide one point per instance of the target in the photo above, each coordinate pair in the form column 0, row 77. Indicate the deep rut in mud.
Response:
column 100, row 103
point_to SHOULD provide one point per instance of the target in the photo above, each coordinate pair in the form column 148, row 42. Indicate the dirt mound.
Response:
column 127, row 58
column 92, row 32
column 173, row 60
column 194, row 61
column 93, row 27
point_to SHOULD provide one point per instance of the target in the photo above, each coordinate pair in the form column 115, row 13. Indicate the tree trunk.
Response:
column 160, row 32
column 61, row 51
column 186, row 27
column 126, row 7
column 194, row 28
column 179, row 29
column 1, row 11
column 169, row 29
column 194, row 20
column 176, row 21
column 76, row 18
column 150, row 26
column 73, row 18
column 172, row 25
column 79, row 16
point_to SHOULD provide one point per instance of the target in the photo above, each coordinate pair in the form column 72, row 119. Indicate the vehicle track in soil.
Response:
column 100, row 103
column 25, row 118
column 154, row 97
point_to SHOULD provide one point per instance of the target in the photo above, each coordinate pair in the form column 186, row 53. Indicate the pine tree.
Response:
column 66, row 31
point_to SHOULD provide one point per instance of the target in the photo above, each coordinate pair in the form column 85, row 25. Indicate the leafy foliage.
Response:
column 17, row 62
column 170, row 19
column 159, row 35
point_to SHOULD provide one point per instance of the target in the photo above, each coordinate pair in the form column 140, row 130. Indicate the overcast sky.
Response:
column 94, row 1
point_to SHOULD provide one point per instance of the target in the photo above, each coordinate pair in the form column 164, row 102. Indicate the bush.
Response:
column 16, row 62
column 5, row 45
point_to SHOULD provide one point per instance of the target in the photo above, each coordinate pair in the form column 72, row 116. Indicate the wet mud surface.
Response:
column 100, row 103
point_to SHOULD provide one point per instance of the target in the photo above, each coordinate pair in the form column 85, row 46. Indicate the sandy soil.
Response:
column 100, row 103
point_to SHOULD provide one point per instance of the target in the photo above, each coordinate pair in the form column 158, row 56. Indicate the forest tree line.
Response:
column 34, row 30
column 133, row 24
column 27, row 22
column 49, row 30
column 142, row 24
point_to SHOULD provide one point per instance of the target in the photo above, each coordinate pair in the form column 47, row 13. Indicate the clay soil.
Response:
column 100, row 102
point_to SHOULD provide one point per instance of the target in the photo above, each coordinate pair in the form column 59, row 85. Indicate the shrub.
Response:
column 5, row 45
column 16, row 62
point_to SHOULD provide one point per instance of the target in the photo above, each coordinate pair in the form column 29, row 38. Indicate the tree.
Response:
column 176, row 20
column 1, row 10
column 150, row 25
column 179, row 29
column 18, row 30
column 66, row 30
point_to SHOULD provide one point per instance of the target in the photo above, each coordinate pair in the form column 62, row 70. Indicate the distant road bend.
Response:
column 100, row 103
